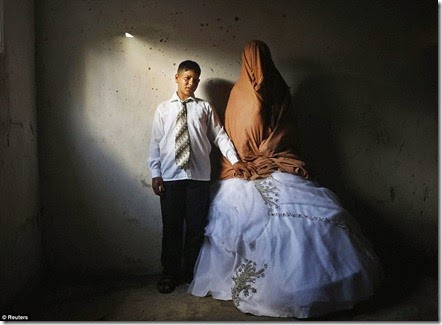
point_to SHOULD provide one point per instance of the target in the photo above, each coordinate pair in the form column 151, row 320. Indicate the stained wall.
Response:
column 21, row 261
column 363, row 76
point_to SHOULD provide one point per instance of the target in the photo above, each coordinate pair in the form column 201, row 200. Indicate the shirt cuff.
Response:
column 156, row 173
column 232, row 158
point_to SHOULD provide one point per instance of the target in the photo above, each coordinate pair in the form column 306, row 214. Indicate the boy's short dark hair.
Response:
column 189, row 65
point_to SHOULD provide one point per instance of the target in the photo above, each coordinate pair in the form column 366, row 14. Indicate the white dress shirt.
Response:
column 204, row 126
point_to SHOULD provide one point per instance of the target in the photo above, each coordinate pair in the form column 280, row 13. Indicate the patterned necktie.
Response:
column 182, row 139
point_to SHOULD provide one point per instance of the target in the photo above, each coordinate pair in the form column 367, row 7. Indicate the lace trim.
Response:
column 269, row 192
column 245, row 275
column 298, row 215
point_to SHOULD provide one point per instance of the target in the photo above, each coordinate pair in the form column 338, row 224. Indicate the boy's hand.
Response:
column 241, row 170
column 158, row 186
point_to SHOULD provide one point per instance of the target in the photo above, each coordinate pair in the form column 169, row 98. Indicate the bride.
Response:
column 278, row 244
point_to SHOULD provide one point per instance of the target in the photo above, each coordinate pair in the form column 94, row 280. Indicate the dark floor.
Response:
column 137, row 299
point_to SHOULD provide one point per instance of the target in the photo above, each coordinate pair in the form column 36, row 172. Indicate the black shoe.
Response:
column 167, row 284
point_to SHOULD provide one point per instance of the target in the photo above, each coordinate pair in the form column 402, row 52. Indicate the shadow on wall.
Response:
column 218, row 92
column 99, row 219
column 351, row 137
column 351, row 144
column 104, row 227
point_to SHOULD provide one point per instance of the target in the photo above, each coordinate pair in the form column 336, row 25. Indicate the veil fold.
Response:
column 260, row 118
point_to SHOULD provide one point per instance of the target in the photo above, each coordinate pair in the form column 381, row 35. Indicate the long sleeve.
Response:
column 219, row 136
column 204, row 128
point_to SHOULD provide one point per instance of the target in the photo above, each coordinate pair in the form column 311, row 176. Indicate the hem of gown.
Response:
column 210, row 294
column 244, row 243
column 303, row 312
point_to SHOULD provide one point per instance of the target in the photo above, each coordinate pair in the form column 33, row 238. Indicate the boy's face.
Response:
column 187, row 83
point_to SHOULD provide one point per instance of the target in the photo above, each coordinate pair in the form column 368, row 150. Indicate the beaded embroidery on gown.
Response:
column 283, row 246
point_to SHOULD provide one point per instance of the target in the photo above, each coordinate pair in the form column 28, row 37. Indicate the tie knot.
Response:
column 184, row 102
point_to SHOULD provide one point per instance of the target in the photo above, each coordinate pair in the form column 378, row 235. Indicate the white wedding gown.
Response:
column 283, row 246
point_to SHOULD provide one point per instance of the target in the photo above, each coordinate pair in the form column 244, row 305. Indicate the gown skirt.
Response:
column 283, row 246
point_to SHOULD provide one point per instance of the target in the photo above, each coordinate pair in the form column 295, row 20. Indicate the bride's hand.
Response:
column 243, row 170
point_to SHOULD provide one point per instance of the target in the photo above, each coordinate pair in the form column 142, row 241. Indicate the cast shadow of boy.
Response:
column 217, row 94
column 315, row 103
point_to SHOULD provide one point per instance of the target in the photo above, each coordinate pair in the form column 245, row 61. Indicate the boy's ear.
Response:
column 176, row 77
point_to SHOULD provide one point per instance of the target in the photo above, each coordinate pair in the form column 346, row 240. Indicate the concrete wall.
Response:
column 20, row 231
column 363, row 76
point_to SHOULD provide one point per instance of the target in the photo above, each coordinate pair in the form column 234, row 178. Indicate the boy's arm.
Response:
column 219, row 136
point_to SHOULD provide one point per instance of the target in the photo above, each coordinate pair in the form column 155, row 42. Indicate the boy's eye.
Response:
column 190, row 78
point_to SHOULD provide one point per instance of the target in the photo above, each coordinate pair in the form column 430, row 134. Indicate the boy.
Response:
column 181, row 175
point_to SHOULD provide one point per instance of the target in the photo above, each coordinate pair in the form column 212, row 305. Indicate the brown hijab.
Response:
column 259, row 117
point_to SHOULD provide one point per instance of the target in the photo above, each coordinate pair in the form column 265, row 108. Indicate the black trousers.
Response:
column 184, row 207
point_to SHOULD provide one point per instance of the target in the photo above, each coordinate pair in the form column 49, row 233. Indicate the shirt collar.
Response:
column 176, row 98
